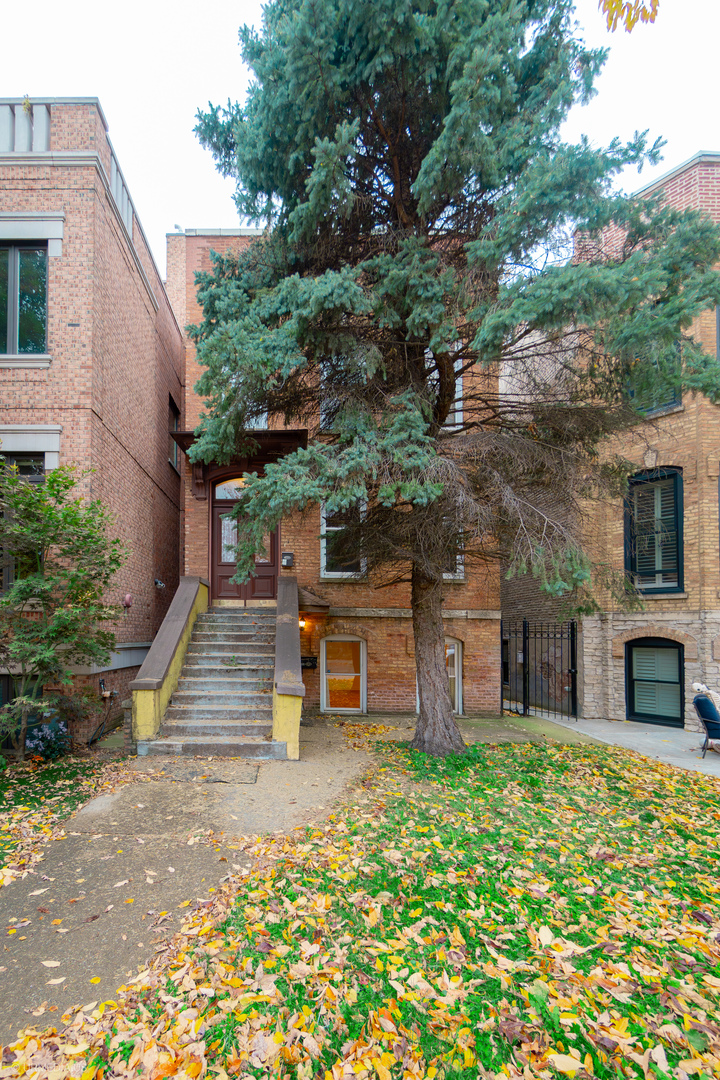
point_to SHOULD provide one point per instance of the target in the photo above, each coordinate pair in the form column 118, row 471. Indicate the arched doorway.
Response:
column 226, row 493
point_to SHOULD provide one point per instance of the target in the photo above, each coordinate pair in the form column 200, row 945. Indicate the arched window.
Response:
column 654, row 681
column 343, row 677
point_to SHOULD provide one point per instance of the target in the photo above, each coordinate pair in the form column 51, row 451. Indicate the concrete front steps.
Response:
column 222, row 706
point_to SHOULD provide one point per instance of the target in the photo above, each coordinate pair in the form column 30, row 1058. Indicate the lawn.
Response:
column 35, row 798
column 520, row 911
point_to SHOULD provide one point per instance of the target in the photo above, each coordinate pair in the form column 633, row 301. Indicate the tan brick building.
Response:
column 641, row 665
column 349, row 624
column 90, row 350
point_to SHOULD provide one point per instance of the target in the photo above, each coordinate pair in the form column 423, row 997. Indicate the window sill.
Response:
column 23, row 360
column 664, row 596
column 352, row 579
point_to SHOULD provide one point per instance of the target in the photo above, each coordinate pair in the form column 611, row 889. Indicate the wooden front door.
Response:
column 263, row 586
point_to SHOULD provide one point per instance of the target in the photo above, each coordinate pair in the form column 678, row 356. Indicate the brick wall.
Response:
column 688, row 438
column 116, row 357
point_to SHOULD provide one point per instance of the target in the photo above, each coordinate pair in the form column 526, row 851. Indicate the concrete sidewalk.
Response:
column 674, row 746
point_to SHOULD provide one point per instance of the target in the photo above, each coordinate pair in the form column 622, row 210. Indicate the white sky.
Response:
column 153, row 64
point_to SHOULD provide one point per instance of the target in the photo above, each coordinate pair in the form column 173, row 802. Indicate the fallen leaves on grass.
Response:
column 37, row 798
column 520, row 911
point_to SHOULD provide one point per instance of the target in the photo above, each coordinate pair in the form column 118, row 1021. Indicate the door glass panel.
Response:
column 230, row 489
column 343, row 674
column 267, row 557
column 228, row 539
column 32, row 300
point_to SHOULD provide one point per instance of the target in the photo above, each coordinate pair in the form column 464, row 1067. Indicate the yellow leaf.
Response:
column 72, row 1051
column 383, row 1073
column 193, row 1069
column 565, row 1064
column 96, row 979
column 89, row 1073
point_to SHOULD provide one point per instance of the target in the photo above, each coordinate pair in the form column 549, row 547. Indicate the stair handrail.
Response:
column 158, row 677
column 288, row 687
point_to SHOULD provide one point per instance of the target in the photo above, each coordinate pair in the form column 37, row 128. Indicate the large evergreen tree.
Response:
column 420, row 209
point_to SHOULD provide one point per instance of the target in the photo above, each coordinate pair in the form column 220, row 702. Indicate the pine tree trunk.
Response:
column 436, row 732
column 22, row 737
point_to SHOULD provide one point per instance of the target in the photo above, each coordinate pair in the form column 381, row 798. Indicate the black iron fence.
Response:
column 539, row 667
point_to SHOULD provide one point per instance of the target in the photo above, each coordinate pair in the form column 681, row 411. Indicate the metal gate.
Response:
column 539, row 668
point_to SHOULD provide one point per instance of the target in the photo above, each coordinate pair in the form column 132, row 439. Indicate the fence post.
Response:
column 526, row 667
column 502, row 687
column 573, row 669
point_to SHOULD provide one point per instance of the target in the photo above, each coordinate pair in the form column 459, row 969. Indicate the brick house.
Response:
column 640, row 666
column 90, row 350
column 348, row 626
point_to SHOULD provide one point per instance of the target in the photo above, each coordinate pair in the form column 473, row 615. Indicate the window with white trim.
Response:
column 343, row 674
column 454, row 665
column 334, row 562
column 23, row 299
column 453, row 662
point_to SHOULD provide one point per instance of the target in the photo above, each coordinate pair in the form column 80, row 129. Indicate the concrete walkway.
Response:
column 674, row 746
column 112, row 891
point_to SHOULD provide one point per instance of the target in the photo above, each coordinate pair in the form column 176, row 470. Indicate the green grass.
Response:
column 541, row 908
column 34, row 798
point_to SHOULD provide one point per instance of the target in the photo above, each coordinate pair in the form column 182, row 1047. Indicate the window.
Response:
column 23, row 300
column 257, row 423
column 453, row 662
column 334, row 561
column 32, row 468
column 653, row 531
column 343, row 679
column 454, row 417
column 173, row 425
column 654, row 681
column 455, row 568
column 648, row 399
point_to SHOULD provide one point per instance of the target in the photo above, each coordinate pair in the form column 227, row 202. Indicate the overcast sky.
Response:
column 153, row 64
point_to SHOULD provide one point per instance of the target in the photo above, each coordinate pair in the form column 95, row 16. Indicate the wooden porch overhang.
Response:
column 270, row 445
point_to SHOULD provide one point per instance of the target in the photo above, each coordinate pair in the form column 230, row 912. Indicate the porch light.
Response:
column 301, row 622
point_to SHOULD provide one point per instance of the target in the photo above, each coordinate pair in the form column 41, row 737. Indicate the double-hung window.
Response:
column 335, row 561
column 23, row 299
column 653, row 531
